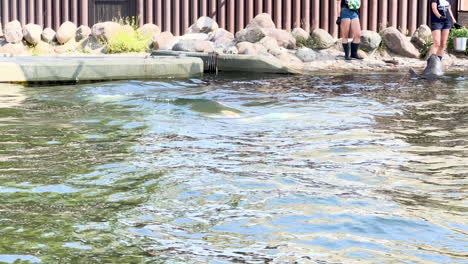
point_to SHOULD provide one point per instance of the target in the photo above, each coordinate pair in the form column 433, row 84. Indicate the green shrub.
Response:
column 308, row 43
column 457, row 33
column 425, row 49
column 128, row 41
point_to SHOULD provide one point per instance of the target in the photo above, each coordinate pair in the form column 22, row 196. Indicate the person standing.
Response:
column 442, row 20
column 349, row 20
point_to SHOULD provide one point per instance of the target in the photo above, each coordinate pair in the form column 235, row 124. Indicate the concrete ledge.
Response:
column 236, row 63
column 73, row 69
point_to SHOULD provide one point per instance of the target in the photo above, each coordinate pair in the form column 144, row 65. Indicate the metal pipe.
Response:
column 186, row 15
column 364, row 17
column 315, row 14
column 84, row 13
column 22, row 9
column 296, row 13
column 31, row 10
column 231, row 20
column 403, row 16
column 176, row 16
column 158, row 13
column 56, row 10
column 305, row 23
column 74, row 12
column 140, row 12
column 383, row 15
column 287, row 15
column 393, row 12
column 278, row 14
column 149, row 11
column 5, row 16
column 373, row 13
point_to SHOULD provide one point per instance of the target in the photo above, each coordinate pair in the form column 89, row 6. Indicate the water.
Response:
column 236, row 169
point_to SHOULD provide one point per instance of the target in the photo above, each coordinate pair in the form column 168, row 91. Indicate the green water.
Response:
column 236, row 169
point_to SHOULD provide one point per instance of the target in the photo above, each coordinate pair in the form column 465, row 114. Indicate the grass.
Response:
column 128, row 41
column 308, row 43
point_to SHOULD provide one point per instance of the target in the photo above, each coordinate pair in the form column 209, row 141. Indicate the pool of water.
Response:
column 236, row 169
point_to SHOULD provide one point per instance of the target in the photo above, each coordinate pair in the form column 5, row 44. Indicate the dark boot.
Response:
column 354, row 51
column 440, row 57
column 346, row 51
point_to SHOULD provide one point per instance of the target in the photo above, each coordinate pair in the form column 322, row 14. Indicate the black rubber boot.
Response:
column 346, row 51
column 354, row 51
column 440, row 57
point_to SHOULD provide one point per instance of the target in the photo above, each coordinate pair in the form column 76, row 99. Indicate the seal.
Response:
column 433, row 68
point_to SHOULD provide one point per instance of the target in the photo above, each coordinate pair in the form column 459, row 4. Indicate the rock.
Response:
column 191, row 45
column 13, row 32
column 422, row 36
column 83, row 32
column 263, row 21
column 32, row 33
column 321, row 39
column 300, row 33
column 247, row 48
column 42, row 48
column 370, row 40
column 69, row 46
column 92, row 45
column 66, row 32
column 48, row 35
column 230, row 50
column 306, row 54
column 284, row 38
column 104, row 31
column 290, row 59
column 271, row 45
column 149, row 30
column 13, row 48
column 398, row 43
column 261, row 50
column 252, row 33
column 203, row 25
column 221, row 36
column 195, row 36
column 164, row 41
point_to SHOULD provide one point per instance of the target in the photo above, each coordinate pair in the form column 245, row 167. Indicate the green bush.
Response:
column 426, row 47
column 128, row 41
column 308, row 43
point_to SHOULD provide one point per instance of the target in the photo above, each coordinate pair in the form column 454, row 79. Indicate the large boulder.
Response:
column 289, row 59
column 398, row 43
column 92, row 46
column 149, row 30
column 263, row 21
column 422, row 36
column 306, row 54
column 104, row 31
column 370, row 40
column 204, row 24
column 300, row 33
column 193, row 45
column 13, row 32
column 252, row 33
column 32, row 33
column 13, row 48
column 42, row 49
column 195, row 36
column 66, row 32
column 221, row 36
column 231, row 50
column 83, row 32
column 48, row 35
column 69, row 47
column 271, row 45
column 246, row 48
column 164, row 41
column 284, row 38
column 321, row 39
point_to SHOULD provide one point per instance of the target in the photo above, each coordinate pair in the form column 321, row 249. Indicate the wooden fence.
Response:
column 177, row 15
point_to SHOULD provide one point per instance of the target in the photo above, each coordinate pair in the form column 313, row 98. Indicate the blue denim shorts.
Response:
column 441, row 25
column 347, row 13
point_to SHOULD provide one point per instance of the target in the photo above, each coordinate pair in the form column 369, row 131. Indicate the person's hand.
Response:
column 457, row 26
column 443, row 18
column 338, row 21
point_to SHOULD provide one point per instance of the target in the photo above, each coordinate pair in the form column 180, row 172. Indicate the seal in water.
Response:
column 432, row 70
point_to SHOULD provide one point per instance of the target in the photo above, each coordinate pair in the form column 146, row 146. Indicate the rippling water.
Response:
column 236, row 169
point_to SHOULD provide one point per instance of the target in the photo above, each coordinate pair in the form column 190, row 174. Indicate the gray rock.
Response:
column 13, row 32
column 149, row 30
column 306, row 54
column 246, row 48
column 164, row 41
column 221, row 36
column 92, row 45
column 271, row 45
column 32, row 33
column 300, row 33
column 191, row 45
column 230, row 50
column 284, row 38
column 43, row 48
column 263, row 21
column 48, row 35
column 66, row 32
column 252, row 33
column 104, row 31
column 83, row 32
column 321, row 39
column 398, row 43
column 370, row 40
column 422, row 36
column 290, row 59
column 13, row 48
column 195, row 36
column 68, row 47
column 204, row 24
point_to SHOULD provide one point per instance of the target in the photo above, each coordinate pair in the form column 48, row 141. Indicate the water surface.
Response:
column 236, row 169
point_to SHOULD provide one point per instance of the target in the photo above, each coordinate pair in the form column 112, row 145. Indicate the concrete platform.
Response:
column 236, row 62
column 75, row 69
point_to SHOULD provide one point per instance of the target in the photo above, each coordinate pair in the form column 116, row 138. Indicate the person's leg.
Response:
column 443, row 42
column 356, row 28
column 344, row 27
column 435, row 42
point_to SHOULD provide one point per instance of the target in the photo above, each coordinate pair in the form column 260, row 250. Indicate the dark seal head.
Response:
column 434, row 67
